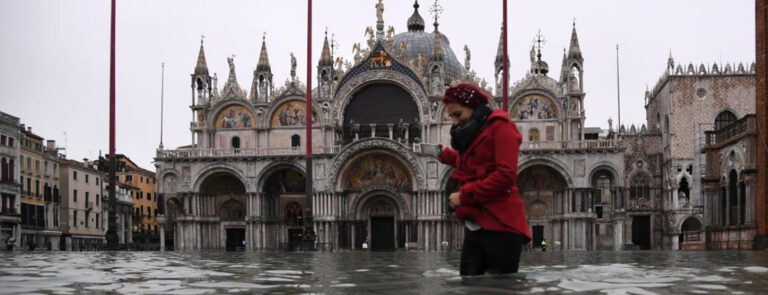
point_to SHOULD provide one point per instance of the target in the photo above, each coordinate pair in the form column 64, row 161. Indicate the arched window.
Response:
column 683, row 191
column 4, row 172
column 725, row 118
column 12, row 169
column 733, row 201
column 658, row 122
column 743, row 204
column 533, row 135
column 293, row 214
column 235, row 142
column 295, row 140
column 666, row 124
column 723, row 206
column 640, row 187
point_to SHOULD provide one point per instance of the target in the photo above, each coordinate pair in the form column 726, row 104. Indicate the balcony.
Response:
column 237, row 153
column 732, row 131
column 574, row 114
column 197, row 125
column 572, row 146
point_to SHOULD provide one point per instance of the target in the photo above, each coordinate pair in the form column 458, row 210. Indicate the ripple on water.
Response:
column 757, row 269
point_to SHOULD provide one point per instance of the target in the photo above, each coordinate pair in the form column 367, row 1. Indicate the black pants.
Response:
column 490, row 251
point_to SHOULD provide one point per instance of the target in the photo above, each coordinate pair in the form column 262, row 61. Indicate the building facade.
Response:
column 81, row 206
column 124, row 205
column 140, row 183
column 10, row 212
column 242, row 180
column 40, row 192
column 686, row 104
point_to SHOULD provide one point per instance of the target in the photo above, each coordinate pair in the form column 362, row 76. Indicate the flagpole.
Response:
column 111, row 235
column 309, row 231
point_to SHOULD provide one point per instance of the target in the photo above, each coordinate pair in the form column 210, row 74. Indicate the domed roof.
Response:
column 422, row 43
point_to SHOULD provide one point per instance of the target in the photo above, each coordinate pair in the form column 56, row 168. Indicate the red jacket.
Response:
column 487, row 175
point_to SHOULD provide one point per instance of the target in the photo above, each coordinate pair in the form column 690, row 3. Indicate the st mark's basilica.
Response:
column 243, row 176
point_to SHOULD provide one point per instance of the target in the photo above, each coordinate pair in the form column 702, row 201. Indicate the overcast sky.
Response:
column 55, row 54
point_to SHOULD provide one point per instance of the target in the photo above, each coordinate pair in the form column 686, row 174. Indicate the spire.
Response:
column 263, row 64
column 575, row 50
column 202, row 66
column 564, row 68
column 325, row 56
column 670, row 61
column 500, row 52
column 415, row 22
column 437, row 50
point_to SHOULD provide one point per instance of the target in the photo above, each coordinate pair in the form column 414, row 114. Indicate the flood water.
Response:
column 627, row 272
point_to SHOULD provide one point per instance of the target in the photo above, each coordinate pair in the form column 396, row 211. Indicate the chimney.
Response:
column 29, row 129
column 85, row 163
column 51, row 146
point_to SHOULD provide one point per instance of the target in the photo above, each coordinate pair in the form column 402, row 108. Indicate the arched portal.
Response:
column 222, row 194
column 691, row 236
column 540, row 187
column 283, row 204
column 381, row 212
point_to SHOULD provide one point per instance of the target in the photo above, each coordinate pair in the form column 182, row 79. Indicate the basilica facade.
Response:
column 241, row 182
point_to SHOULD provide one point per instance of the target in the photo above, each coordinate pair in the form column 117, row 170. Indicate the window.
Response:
column 97, row 220
column 97, row 181
column 725, row 118
column 74, row 196
column 141, row 179
column 149, row 196
column 97, row 199
column 21, row 180
column 21, row 166
column 37, row 166
column 29, row 163
column 86, row 218
column 29, row 186
column 37, row 188
column 87, row 198
column 74, row 218
column 599, row 211
column 295, row 140
column 2, row 139
column 86, row 178
column 533, row 135
column 10, row 141
column 74, row 175
column 235, row 142
column 128, row 178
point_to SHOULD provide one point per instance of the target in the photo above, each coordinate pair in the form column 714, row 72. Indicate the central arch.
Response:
column 381, row 212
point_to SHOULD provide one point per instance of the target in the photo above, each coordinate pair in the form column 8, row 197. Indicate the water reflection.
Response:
column 633, row 272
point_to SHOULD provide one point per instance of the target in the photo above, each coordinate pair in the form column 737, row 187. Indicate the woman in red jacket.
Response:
column 484, row 148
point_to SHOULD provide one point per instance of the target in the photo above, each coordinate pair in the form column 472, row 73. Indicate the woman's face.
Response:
column 459, row 114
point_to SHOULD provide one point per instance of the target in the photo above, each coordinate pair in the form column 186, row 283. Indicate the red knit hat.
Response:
column 465, row 94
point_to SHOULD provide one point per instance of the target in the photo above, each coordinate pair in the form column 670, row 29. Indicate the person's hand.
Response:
column 454, row 199
column 442, row 147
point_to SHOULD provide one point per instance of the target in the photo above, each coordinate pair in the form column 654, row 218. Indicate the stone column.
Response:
column 162, row 237
column 407, row 131
column 373, row 130
column 389, row 126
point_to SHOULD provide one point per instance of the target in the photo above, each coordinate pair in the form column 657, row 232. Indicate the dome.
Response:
column 422, row 43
